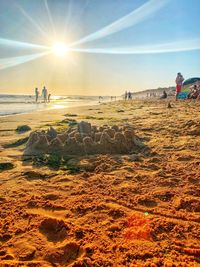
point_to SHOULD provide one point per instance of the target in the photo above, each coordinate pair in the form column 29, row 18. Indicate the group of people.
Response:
column 152, row 94
column 113, row 98
column 45, row 95
column 194, row 89
column 194, row 92
column 127, row 95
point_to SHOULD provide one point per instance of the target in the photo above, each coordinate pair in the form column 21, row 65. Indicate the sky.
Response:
column 112, row 45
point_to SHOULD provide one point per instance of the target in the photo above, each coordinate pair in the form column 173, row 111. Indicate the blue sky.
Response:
column 90, row 73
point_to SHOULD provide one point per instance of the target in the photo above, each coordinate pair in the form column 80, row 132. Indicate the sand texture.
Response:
column 139, row 207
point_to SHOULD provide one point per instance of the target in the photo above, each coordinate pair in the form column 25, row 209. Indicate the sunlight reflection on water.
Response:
column 58, row 106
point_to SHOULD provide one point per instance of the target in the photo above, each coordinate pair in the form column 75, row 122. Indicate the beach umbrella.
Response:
column 191, row 81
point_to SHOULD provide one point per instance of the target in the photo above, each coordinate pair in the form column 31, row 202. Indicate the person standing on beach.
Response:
column 100, row 98
column 125, row 95
column 44, row 93
column 36, row 94
column 49, row 98
column 179, row 83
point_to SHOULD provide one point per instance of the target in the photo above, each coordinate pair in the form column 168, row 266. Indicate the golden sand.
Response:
column 139, row 209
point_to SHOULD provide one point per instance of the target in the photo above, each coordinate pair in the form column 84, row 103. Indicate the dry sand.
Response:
column 120, row 210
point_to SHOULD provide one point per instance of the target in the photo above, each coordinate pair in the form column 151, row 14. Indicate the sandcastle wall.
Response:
column 83, row 139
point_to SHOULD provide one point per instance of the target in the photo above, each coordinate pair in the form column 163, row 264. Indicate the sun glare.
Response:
column 59, row 49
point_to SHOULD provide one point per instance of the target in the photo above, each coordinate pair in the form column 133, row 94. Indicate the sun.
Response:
column 59, row 49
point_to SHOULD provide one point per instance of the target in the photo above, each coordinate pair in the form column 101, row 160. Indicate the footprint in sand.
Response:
column 55, row 230
column 51, row 196
column 24, row 251
column 64, row 255
column 33, row 175
column 147, row 202
column 164, row 196
column 190, row 204
column 116, row 213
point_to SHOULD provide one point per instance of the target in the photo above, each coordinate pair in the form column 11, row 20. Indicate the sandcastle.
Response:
column 84, row 139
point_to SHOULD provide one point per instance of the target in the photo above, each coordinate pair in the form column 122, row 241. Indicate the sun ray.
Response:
column 68, row 18
column 136, row 16
column 14, row 61
column 50, row 17
column 18, row 44
column 26, row 15
column 178, row 46
column 79, row 14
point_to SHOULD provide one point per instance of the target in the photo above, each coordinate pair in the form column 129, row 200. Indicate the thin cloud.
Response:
column 178, row 46
column 136, row 16
column 18, row 44
column 14, row 61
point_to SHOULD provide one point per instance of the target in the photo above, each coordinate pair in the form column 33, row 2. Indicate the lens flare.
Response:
column 59, row 49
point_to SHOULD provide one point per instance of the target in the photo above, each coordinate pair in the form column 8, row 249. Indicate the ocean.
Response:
column 18, row 104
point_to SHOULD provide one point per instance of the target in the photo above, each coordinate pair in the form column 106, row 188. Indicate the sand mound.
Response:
column 84, row 139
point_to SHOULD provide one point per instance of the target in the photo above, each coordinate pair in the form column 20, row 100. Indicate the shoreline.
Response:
column 21, row 105
column 44, row 110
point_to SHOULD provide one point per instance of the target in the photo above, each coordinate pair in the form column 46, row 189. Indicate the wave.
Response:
column 18, row 104
column 7, row 98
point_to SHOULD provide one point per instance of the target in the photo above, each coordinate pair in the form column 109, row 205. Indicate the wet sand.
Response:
column 140, row 210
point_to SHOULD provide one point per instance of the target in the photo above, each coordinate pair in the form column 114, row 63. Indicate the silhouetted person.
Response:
column 44, row 93
column 49, row 97
column 126, row 95
column 100, row 98
column 36, row 94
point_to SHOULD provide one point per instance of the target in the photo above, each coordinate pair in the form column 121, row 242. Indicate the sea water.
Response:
column 17, row 104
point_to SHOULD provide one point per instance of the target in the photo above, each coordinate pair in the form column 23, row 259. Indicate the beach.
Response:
column 24, row 104
column 140, row 209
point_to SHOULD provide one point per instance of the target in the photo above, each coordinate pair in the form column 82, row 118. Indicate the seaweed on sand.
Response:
column 17, row 143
